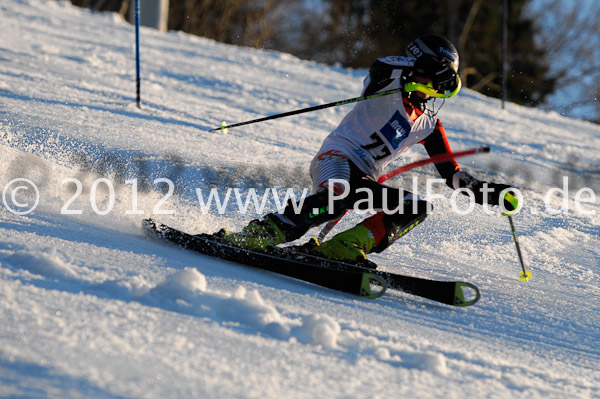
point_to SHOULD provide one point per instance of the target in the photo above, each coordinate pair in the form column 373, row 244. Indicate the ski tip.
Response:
column 149, row 227
column 152, row 228
column 148, row 223
column 485, row 148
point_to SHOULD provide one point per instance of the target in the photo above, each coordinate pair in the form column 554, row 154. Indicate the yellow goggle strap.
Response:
column 428, row 89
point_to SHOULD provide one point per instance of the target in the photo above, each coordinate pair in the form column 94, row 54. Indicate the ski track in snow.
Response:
column 92, row 308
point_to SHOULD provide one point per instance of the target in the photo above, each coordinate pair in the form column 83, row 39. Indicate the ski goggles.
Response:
column 429, row 90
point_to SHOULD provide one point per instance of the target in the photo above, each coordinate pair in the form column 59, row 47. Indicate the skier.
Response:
column 354, row 155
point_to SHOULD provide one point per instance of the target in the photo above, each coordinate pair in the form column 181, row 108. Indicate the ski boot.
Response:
column 374, row 234
column 351, row 245
column 258, row 234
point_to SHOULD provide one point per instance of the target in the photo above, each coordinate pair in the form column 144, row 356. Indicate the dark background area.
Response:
column 553, row 45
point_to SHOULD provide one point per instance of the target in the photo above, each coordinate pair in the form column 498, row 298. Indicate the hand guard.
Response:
column 493, row 197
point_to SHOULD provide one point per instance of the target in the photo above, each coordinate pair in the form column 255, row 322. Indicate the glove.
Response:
column 491, row 195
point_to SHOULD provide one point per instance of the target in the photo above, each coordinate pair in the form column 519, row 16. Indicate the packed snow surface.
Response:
column 92, row 308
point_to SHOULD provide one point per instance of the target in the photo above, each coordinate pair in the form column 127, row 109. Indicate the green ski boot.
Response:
column 258, row 235
column 351, row 245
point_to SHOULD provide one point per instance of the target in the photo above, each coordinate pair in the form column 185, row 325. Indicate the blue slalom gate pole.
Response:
column 137, row 53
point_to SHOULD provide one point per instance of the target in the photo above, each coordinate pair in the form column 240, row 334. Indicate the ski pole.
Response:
column 138, row 98
column 328, row 227
column 525, row 275
column 224, row 126
column 434, row 159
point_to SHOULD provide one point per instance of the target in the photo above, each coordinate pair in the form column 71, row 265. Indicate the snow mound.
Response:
column 182, row 285
column 49, row 263
column 320, row 329
column 435, row 362
column 186, row 291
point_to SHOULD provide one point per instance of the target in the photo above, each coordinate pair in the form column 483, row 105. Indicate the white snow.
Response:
column 90, row 307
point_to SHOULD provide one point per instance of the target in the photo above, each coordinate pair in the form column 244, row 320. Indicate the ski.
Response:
column 300, row 263
column 356, row 282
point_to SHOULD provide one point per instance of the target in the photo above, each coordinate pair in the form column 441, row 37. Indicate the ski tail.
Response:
column 455, row 293
column 459, row 294
column 366, row 287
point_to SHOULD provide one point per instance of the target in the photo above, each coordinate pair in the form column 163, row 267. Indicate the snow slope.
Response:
column 92, row 308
